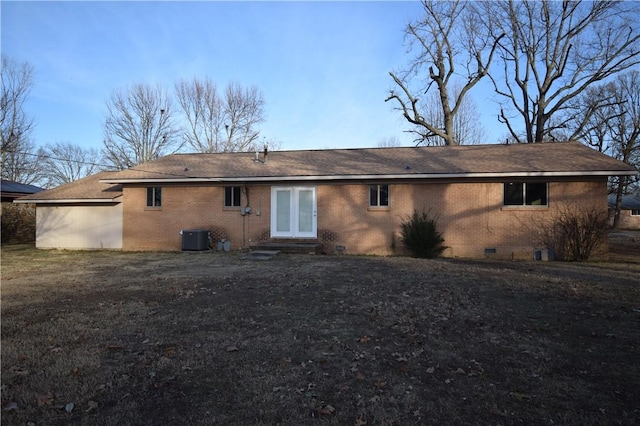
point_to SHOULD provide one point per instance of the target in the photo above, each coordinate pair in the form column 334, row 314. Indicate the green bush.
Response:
column 421, row 237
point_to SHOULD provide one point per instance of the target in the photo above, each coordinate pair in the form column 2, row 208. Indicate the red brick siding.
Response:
column 471, row 216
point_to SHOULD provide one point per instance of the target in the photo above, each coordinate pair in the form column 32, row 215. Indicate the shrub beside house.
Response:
column 18, row 220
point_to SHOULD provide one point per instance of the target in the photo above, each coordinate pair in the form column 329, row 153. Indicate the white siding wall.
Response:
column 79, row 227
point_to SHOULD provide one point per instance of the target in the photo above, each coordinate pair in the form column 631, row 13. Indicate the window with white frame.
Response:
column 379, row 195
column 635, row 212
column 232, row 196
column 154, row 196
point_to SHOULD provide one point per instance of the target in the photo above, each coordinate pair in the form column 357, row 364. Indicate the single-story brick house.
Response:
column 489, row 198
column 629, row 211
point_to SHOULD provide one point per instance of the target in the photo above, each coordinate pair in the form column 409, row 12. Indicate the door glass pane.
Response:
column 283, row 210
column 305, row 210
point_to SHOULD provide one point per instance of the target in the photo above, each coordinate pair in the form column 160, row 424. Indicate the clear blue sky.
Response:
column 321, row 66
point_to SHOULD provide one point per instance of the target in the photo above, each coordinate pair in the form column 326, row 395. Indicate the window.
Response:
column 232, row 196
column 378, row 195
column 154, row 196
column 525, row 194
column 635, row 212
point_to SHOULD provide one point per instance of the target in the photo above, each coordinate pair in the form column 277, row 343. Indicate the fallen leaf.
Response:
column 359, row 422
column 114, row 347
column 92, row 406
column 459, row 371
column 521, row 396
column 10, row 406
column 360, row 376
column 327, row 410
column 56, row 349
column 365, row 339
column 380, row 384
column 430, row 370
column 232, row 348
column 45, row 399
column 170, row 350
column 18, row 370
column 69, row 407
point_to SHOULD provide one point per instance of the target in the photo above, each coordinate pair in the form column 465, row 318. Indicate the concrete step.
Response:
column 261, row 254
column 289, row 247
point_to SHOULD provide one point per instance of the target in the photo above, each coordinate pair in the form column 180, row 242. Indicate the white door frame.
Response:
column 298, row 213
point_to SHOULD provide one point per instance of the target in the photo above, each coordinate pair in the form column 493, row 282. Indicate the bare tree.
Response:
column 445, row 34
column 389, row 142
column 66, row 162
column 139, row 126
column 220, row 122
column 553, row 52
column 15, row 126
column 467, row 128
column 623, row 129
column 25, row 164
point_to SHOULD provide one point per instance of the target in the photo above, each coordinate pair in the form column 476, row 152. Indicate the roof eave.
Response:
column 371, row 177
column 69, row 201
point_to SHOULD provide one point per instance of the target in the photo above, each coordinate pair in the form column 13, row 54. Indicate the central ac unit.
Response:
column 195, row 239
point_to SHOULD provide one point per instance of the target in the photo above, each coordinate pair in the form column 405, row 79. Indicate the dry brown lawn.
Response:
column 110, row 338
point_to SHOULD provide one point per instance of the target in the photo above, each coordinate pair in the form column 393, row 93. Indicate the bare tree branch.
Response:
column 19, row 159
column 442, row 37
column 66, row 162
column 554, row 51
column 220, row 123
column 139, row 126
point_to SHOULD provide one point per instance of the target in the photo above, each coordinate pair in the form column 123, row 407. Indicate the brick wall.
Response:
column 471, row 216
column 200, row 207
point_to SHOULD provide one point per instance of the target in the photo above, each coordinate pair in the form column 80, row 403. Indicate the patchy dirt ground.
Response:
column 105, row 338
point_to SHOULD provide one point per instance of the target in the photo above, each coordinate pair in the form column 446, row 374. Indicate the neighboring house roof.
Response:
column 11, row 190
column 87, row 190
column 480, row 161
column 629, row 202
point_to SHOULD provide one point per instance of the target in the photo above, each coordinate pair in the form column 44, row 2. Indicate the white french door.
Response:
column 293, row 212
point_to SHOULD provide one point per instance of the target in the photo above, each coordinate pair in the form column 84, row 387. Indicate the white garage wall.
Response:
column 79, row 227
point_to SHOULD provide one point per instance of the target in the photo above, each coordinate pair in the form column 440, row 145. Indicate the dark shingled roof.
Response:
column 19, row 188
column 568, row 159
column 546, row 159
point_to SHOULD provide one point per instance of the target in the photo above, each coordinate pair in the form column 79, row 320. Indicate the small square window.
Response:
column 378, row 195
column 232, row 196
column 154, row 196
column 525, row 194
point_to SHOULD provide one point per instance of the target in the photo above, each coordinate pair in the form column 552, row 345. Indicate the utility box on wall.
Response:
column 195, row 239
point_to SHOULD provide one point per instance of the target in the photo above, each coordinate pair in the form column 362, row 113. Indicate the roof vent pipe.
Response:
column 265, row 155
